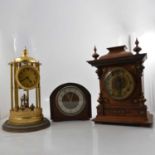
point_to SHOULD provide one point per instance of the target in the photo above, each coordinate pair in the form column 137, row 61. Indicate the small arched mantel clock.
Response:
column 25, row 115
column 121, row 98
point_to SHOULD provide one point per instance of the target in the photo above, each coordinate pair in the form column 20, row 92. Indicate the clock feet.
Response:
column 26, row 128
column 124, row 120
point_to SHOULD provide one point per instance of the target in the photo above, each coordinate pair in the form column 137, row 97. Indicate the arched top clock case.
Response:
column 121, row 99
column 70, row 101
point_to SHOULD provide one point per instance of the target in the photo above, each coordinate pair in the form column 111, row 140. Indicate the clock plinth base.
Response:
column 124, row 120
column 26, row 128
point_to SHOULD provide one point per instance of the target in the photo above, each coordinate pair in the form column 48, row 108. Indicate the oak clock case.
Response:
column 70, row 101
column 25, row 115
column 121, row 95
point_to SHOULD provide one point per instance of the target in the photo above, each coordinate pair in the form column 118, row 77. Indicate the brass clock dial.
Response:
column 119, row 83
column 27, row 77
column 70, row 100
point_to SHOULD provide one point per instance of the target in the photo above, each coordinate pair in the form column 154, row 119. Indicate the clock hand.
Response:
column 25, row 78
column 68, row 97
column 71, row 98
column 29, row 80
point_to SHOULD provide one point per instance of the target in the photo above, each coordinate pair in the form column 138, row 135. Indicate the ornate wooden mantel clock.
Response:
column 25, row 115
column 121, row 98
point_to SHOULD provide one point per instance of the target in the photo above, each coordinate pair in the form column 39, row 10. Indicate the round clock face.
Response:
column 70, row 100
column 119, row 83
column 27, row 77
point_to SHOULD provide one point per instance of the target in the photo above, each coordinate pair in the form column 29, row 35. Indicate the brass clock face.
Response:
column 119, row 83
column 70, row 100
column 27, row 77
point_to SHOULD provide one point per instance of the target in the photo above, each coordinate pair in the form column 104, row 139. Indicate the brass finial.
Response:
column 95, row 55
column 25, row 52
column 137, row 49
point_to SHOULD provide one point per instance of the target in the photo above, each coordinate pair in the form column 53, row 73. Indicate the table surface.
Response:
column 80, row 138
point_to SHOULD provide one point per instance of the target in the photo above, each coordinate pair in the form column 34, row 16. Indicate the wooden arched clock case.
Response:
column 70, row 101
column 121, row 98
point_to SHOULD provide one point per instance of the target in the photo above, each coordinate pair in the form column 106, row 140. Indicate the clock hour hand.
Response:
column 26, row 79
column 29, row 80
column 70, row 96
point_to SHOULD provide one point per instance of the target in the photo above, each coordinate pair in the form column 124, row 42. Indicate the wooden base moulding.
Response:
column 123, row 120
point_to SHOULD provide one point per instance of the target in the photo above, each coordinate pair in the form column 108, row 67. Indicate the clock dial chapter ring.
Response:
column 27, row 77
column 70, row 100
column 119, row 83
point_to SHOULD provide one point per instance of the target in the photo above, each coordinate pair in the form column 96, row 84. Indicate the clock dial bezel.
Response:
column 68, row 94
column 119, row 83
column 36, row 77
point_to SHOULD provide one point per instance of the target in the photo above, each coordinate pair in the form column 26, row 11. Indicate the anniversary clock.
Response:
column 70, row 101
column 26, row 111
column 121, row 98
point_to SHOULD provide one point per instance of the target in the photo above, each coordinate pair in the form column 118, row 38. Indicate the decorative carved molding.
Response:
column 102, row 101
column 99, row 72
column 100, row 109
column 139, row 69
column 114, row 111
column 141, row 100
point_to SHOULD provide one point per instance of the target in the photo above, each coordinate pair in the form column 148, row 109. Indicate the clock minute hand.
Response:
column 71, row 97
column 25, row 78
column 118, row 84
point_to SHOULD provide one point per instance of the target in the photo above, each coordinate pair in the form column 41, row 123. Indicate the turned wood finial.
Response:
column 137, row 49
column 95, row 55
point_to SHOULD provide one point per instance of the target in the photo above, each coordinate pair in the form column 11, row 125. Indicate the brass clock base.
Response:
column 26, row 128
column 124, row 120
